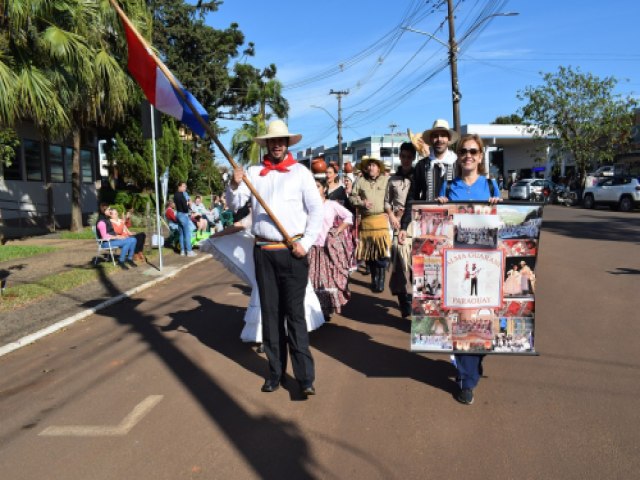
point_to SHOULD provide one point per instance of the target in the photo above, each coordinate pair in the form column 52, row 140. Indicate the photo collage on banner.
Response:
column 474, row 281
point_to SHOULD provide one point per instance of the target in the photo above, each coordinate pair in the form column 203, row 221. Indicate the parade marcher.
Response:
column 282, row 274
column 330, row 256
column 432, row 171
column 368, row 196
column 394, row 203
column 183, row 216
column 470, row 184
column 233, row 247
column 335, row 189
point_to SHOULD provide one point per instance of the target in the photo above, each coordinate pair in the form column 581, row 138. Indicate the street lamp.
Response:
column 452, row 46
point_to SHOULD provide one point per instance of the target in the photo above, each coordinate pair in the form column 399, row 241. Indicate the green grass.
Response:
column 85, row 234
column 12, row 252
column 20, row 295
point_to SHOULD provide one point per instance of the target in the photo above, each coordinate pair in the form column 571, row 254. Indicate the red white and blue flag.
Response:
column 158, row 89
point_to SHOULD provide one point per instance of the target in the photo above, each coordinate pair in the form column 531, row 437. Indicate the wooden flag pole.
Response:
column 205, row 125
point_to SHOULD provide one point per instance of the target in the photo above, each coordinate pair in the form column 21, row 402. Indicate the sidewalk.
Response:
column 69, row 254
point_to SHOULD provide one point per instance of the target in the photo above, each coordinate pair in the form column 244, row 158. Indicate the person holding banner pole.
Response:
column 470, row 184
column 282, row 270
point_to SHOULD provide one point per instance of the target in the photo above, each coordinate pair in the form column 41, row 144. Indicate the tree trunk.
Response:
column 76, row 205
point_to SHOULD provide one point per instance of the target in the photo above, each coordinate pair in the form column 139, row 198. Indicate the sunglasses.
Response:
column 472, row 151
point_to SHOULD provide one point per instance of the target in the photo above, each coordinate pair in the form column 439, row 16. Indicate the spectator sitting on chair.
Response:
column 105, row 231
column 120, row 227
column 198, row 208
column 199, row 216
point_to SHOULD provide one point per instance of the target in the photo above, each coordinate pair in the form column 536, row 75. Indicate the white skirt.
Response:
column 235, row 252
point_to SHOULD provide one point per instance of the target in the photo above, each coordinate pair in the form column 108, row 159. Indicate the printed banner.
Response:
column 473, row 268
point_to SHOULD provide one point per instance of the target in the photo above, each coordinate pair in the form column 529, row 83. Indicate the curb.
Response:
column 34, row 337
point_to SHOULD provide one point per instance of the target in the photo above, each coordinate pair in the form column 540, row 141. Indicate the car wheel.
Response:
column 626, row 204
column 588, row 202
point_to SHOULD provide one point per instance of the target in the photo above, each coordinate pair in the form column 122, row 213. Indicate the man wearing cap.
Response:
column 282, row 273
column 367, row 196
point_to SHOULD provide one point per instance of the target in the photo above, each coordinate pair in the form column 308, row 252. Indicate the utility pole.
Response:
column 339, row 94
column 392, row 126
column 452, row 47
column 453, row 63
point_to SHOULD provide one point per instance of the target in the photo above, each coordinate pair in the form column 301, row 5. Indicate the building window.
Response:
column 13, row 171
column 56, row 163
column 68, row 164
column 86, row 166
column 33, row 160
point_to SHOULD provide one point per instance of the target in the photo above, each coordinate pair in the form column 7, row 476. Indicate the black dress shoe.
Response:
column 131, row 263
column 270, row 386
column 309, row 390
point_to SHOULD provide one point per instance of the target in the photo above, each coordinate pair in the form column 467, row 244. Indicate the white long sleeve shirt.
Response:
column 292, row 197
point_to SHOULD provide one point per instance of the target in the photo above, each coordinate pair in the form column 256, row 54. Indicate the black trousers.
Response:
column 140, row 239
column 282, row 283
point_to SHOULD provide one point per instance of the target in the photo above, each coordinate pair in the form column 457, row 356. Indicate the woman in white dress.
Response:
column 512, row 285
column 233, row 247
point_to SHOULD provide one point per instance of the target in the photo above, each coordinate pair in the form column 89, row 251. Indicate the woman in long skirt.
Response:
column 330, row 258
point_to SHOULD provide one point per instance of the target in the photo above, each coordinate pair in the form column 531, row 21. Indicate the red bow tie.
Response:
column 280, row 166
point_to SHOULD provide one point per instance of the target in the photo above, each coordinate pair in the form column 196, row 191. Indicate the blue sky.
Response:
column 397, row 76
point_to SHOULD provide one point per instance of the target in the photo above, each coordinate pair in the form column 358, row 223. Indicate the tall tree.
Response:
column 580, row 114
column 513, row 119
column 132, row 154
column 242, row 145
column 261, row 93
column 198, row 56
column 61, row 65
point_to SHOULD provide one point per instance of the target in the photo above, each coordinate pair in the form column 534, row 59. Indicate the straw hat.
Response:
column 364, row 164
column 278, row 129
column 440, row 125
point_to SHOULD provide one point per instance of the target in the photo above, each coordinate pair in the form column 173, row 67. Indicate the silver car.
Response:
column 531, row 189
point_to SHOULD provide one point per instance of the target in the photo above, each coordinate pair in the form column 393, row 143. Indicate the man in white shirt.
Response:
column 282, row 272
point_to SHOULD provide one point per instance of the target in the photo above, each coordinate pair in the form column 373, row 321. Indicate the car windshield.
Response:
column 522, row 183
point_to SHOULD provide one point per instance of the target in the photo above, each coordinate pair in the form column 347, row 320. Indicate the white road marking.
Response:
column 119, row 430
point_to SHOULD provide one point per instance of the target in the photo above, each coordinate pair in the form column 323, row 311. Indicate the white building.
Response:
column 35, row 190
column 510, row 150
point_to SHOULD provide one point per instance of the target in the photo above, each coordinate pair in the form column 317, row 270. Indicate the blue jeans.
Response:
column 184, row 222
column 127, row 247
column 469, row 370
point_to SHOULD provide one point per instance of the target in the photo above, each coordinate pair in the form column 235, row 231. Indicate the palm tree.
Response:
column 59, row 69
column 263, row 91
column 242, row 145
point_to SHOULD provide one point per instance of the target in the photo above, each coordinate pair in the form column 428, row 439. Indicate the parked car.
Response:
column 622, row 193
column 532, row 189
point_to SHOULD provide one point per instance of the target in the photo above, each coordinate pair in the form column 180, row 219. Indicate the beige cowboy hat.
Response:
column 366, row 159
column 440, row 125
column 278, row 129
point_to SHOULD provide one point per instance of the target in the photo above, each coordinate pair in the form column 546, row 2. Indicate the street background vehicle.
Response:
column 621, row 193
column 533, row 190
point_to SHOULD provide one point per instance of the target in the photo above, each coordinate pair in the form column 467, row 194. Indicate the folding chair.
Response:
column 104, row 246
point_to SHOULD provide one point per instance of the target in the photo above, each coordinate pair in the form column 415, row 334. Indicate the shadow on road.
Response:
column 378, row 360
column 619, row 229
column 272, row 447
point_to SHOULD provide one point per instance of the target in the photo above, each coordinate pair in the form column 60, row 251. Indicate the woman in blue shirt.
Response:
column 470, row 184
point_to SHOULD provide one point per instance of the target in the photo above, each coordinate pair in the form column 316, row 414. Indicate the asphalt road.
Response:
column 160, row 387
